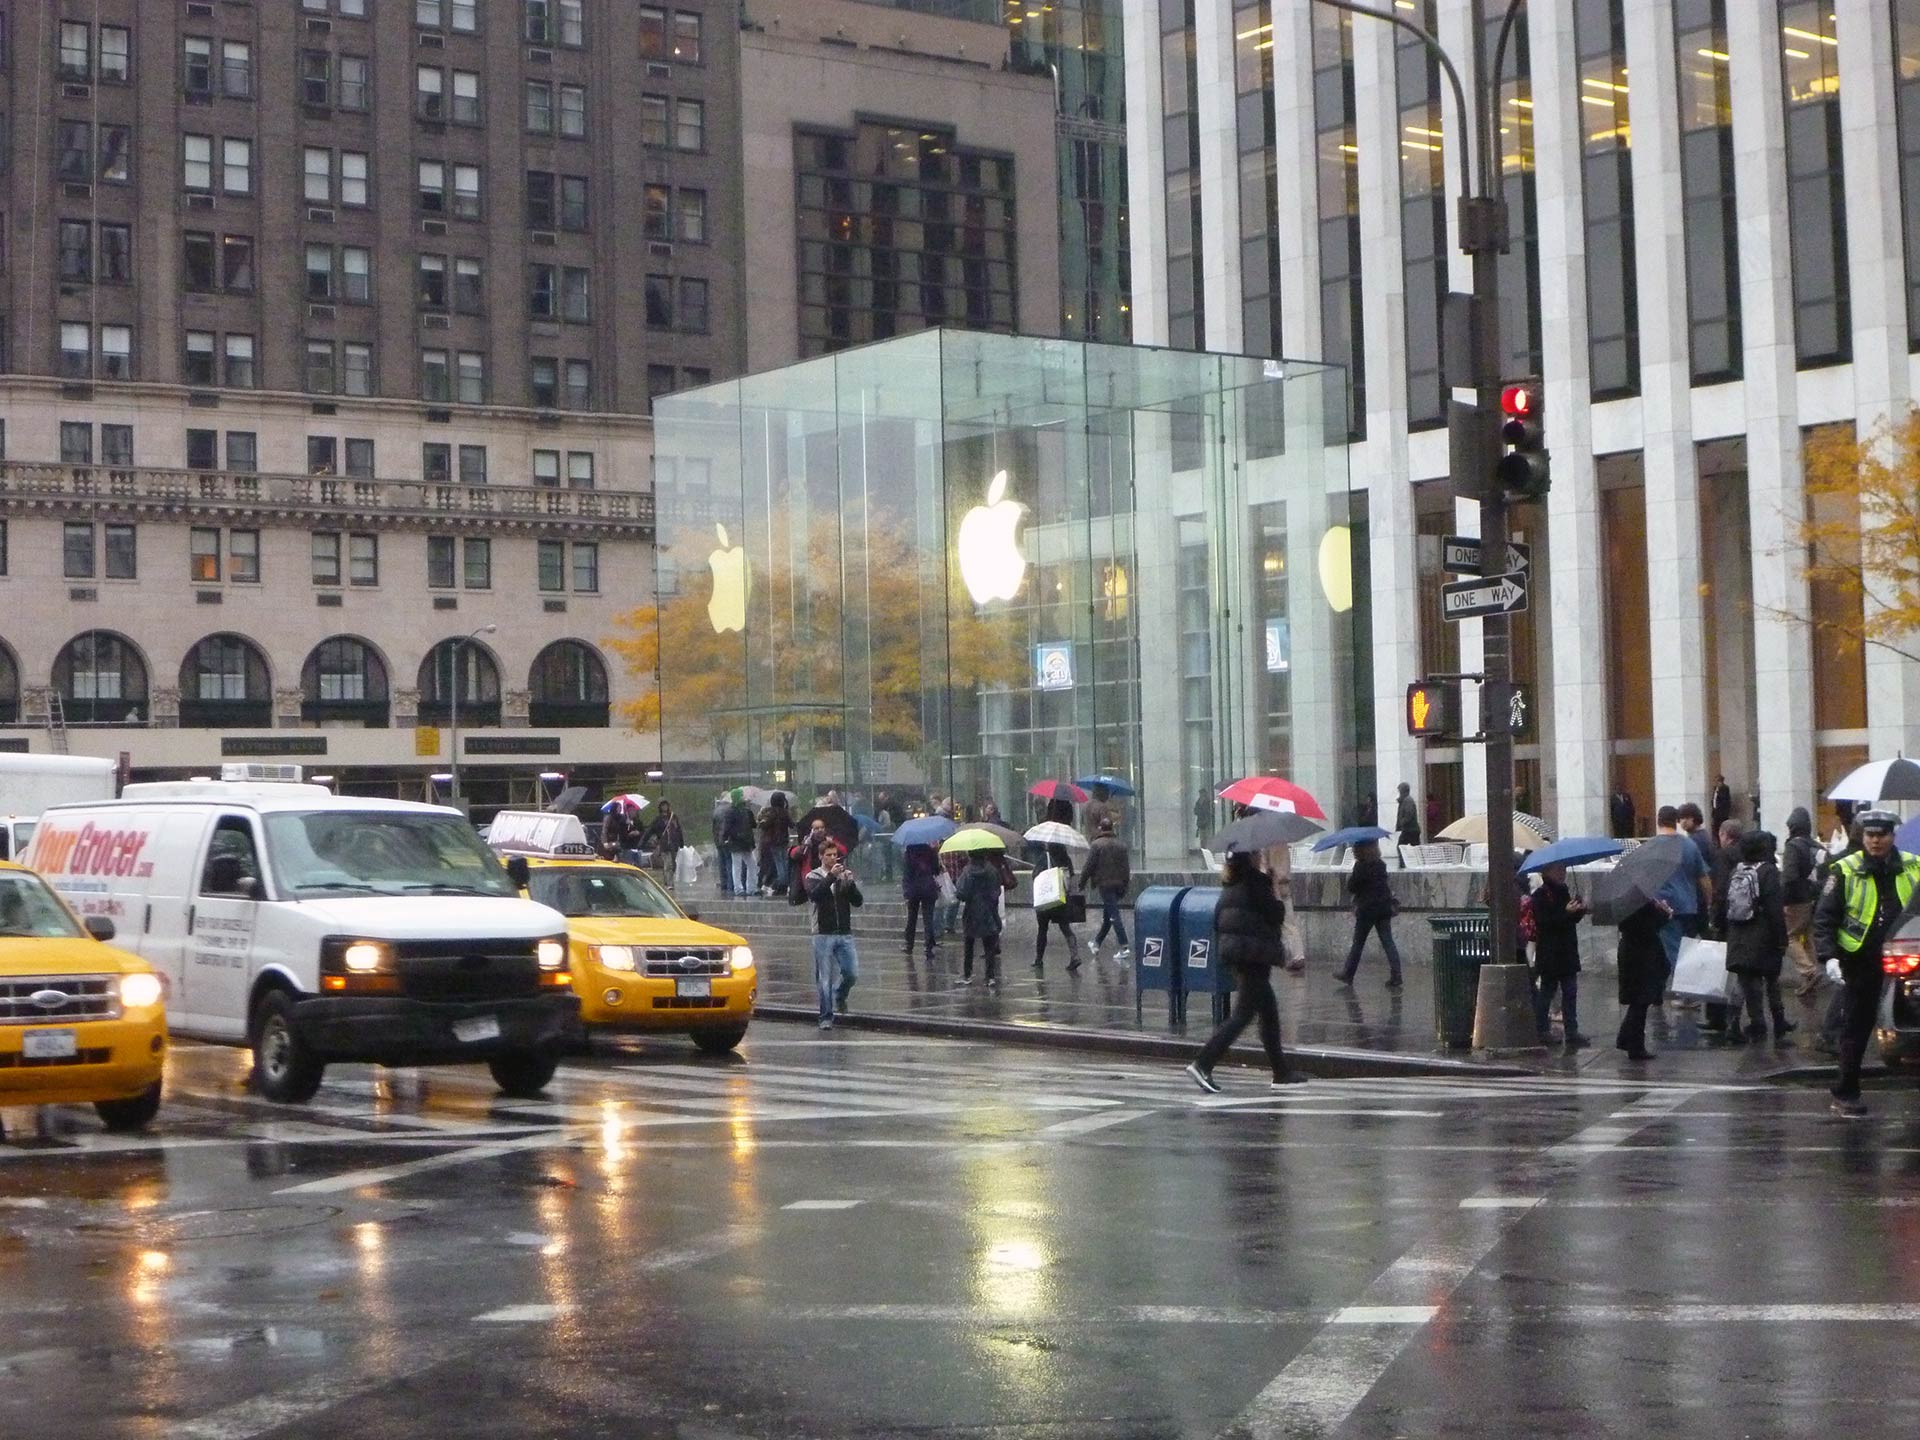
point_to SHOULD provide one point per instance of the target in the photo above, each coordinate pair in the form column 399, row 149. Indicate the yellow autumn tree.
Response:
column 706, row 669
column 1862, row 535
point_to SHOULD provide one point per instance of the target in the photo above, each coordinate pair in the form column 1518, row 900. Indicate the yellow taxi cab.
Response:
column 81, row 1023
column 640, row 964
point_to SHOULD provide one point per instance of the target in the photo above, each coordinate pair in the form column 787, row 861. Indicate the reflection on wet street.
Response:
column 849, row 1235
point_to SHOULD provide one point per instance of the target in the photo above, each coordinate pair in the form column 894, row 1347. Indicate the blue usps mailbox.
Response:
column 1201, row 973
column 1156, row 959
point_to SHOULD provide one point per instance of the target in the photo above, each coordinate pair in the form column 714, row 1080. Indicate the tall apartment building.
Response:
column 1715, row 210
column 329, row 329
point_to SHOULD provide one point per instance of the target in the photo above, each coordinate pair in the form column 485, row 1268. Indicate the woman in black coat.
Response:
column 1372, row 911
column 1556, row 952
column 1756, row 946
column 1246, row 928
column 1643, row 974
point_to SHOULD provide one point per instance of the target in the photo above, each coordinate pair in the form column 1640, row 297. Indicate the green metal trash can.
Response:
column 1462, row 943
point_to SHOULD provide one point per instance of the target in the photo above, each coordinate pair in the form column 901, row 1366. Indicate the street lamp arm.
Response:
column 1492, row 86
column 1446, row 64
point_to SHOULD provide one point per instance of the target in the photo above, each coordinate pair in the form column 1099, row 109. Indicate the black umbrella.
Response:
column 1643, row 872
column 839, row 822
column 1263, row 830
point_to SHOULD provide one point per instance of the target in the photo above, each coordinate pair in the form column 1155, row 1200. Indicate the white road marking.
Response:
column 820, row 1205
column 1384, row 1315
column 266, row 1413
column 1500, row 1202
column 1087, row 1124
column 385, row 1174
column 520, row 1314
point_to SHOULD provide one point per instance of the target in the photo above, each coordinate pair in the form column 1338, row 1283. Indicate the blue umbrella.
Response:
column 1115, row 785
column 1574, row 850
column 927, row 830
column 1907, row 838
column 1352, row 835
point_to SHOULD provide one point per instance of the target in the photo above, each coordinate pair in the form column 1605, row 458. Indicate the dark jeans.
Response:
column 989, row 943
column 1381, row 925
column 1252, row 999
column 1863, row 982
column 922, row 911
column 1047, row 921
column 1569, row 988
column 1761, row 990
column 1110, row 917
column 1633, row 1030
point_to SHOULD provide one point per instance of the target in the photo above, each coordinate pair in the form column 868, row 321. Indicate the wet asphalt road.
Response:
column 856, row 1236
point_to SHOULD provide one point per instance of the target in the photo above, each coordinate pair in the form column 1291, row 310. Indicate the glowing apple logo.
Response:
column 728, row 607
column 990, row 559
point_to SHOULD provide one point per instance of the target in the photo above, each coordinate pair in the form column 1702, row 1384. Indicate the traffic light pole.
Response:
column 1483, row 236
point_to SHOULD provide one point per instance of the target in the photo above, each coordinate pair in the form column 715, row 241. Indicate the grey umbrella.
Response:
column 1642, row 874
column 1263, row 830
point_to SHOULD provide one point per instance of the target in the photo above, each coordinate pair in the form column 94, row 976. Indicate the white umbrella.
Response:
column 1052, row 832
column 1895, row 779
column 1529, row 831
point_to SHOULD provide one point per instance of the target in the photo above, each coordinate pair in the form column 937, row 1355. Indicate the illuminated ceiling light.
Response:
column 1519, row 104
column 1719, row 55
column 1249, row 34
column 1809, row 35
column 1796, row 54
column 1596, row 100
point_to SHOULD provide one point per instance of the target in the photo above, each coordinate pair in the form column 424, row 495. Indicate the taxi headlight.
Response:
column 742, row 958
column 553, row 954
column 139, row 991
column 363, row 957
column 614, row 957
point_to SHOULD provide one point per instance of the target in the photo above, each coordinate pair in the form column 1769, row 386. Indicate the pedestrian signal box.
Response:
column 1432, row 710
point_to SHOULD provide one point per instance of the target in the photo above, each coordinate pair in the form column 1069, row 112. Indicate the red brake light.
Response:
column 1901, row 960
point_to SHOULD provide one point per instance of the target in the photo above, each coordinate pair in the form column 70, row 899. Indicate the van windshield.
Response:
column 27, row 908
column 380, row 852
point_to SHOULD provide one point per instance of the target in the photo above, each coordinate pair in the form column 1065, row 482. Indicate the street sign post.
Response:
column 1493, row 595
column 1460, row 555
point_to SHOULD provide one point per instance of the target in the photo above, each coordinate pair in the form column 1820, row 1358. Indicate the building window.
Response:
column 586, row 567
column 203, row 449
column 76, row 550
column 653, row 33
column 689, row 125
column 433, row 187
column 76, row 350
column 693, row 306
column 436, row 461
column 196, row 366
column 236, row 167
column 660, row 382
column 236, row 263
column 356, row 368
column 653, row 120
column 196, row 162
column 573, row 111
column 1519, row 268
column 469, row 291
column 116, row 54
column 1180, row 117
column 466, row 192
column 319, row 272
column 1337, row 166
column 575, row 303
column 316, row 77
column 363, row 560
column 546, row 468
column 440, row 562
column 436, row 376
column 466, row 97
column 243, row 557
column 318, row 167
column 355, row 82
column 353, row 178
column 433, row 281
column 76, row 251
column 540, row 190
column 344, row 680
column 553, row 565
column 76, row 51
column 116, row 445
column 470, row 377
column 430, row 92
column 320, row 367
column 476, row 564
column 323, row 455
column 1906, row 44
column 203, row 554
column 580, row 470
column 693, row 216
column 223, row 682
column 239, row 358
column 116, row 352
column 101, row 679
column 326, row 557
column 578, row 376
column 473, row 464
column 1259, row 199
column 116, row 253
column 1613, row 332
column 539, row 107
column 542, row 302
column 1816, row 183
column 76, row 442
column 656, row 212
column 543, row 381
column 196, row 67
column 356, row 273
column 568, row 686
column 1423, row 220
column 236, row 69
column 197, row 254
column 243, row 452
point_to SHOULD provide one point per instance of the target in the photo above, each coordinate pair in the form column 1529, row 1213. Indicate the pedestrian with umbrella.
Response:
column 1634, row 896
column 1864, row 895
column 1556, row 933
column 920, row 874
column 1100, row 808
column 1373, row 902
column 1270, row 792
column 1059, row 861
column 985, row 878
column 1246, row 927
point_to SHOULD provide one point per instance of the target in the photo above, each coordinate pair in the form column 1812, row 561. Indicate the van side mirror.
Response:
column 518, row 871
column 100, row 927
column 247, row 888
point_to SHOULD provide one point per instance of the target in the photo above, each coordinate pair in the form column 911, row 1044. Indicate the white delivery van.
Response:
column 30, row 783
column 315, row 928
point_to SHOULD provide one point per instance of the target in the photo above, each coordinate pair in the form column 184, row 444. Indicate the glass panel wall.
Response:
column 959, row 563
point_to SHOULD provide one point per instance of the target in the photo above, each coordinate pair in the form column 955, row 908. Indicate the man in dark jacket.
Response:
column 1798, row 868
column 1751, row 916
column 776, row 833
column 1246, row 928
column 1720, row 803
column 920, row 888
column 1864, row 894
column 737, row 832
column 1109, row 874
column 1406, row 817
column 982, row 883
column 1641, row 959
column 1721, row 858
column 1372, row 911
column 835, row 895
column 1556, row 953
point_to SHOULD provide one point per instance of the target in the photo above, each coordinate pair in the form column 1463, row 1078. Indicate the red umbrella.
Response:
column 1059, row 790
column 1269, row 792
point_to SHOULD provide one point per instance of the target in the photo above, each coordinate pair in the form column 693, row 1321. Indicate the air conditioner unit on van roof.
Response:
column 261, row 770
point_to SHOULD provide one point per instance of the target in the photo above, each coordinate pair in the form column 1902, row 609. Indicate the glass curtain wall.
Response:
column 959, row 563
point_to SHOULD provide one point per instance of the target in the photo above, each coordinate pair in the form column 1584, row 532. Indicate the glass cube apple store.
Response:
column 955, row 564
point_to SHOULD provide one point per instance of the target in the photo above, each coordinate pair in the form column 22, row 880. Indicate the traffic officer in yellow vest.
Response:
column 1864, row 894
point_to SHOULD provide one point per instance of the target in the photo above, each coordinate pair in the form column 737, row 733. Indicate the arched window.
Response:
column 479, row 685
column 9, row 687
column 101, row 680
column 569, row 685
column 344, row 682
column 224, row 685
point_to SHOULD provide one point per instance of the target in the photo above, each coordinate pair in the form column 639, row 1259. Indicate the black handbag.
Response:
column 1076, row 908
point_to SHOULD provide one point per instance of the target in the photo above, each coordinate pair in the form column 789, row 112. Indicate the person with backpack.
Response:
column 1554, row 916
column 920, row 888
column 737, row 832
column 1752, row 916
column 1799, row 883
column 986, row 878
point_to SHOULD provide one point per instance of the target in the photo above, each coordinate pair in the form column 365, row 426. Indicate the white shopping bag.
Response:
column 1701, row 973
column 1050, row 889
column 686, row 866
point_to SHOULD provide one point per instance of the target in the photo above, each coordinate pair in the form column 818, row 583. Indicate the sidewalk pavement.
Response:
column 1360, row 1029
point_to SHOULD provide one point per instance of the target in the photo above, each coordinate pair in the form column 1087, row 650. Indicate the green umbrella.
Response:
column 974, row 837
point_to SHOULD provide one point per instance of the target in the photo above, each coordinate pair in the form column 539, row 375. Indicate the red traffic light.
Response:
column 1519, row 401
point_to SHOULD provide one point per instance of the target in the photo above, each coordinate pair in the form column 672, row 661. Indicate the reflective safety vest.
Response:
column 1862, row 894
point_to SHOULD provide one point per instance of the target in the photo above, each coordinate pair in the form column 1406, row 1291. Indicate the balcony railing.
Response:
column 332, row 497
